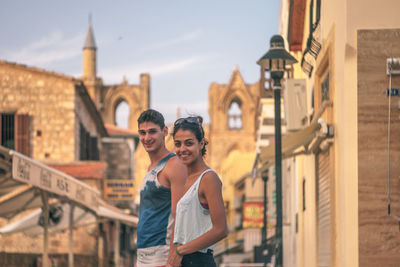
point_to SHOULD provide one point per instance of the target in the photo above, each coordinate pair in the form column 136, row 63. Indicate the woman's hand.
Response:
column 174, row 259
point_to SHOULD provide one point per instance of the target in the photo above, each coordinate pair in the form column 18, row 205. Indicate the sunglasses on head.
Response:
column 187, row 120
column 191, row 120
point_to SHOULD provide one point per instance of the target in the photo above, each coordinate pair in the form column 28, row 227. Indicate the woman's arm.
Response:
column 210, row 192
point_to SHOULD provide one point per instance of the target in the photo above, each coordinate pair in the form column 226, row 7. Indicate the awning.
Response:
column 25, row 197
column 291, row 143
column 110, row 212
column 59, row 219
column 26, row 184
column 43, row 177
column 22, row 179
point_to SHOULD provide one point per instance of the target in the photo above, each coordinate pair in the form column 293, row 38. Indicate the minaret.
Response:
column 89, row 56
column 92, row 83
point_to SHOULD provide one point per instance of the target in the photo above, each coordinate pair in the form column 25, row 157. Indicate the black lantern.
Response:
column 275, row 61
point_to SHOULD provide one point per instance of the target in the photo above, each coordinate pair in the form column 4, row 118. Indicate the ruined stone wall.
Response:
column 136, row 96
column 224, row 140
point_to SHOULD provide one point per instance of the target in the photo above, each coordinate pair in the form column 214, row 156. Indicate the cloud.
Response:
column 47, row 50
column 195, row 35
column 113, row 75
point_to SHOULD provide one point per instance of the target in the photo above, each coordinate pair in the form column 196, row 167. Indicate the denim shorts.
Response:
column 198, row 259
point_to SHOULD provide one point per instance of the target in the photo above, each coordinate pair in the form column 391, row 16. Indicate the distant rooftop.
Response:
column 114, row 130
column 82, row 170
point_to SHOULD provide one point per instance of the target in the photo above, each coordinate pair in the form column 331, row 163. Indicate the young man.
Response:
column 162, row 187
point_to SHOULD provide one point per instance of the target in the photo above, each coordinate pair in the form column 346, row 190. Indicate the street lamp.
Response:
column 275, row 62
column 264, row 177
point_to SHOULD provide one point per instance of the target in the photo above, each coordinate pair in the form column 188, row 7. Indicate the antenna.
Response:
column 90, row 18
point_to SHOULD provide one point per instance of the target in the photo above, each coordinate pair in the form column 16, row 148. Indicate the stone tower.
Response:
column 89, row 56
column 108, row 97
column 232, row 110
column 92, row 83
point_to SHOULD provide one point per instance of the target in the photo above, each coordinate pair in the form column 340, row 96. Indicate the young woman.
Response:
column 200, row 216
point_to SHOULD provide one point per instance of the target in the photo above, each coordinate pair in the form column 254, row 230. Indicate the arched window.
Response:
column 235, row 115
column 122, row 114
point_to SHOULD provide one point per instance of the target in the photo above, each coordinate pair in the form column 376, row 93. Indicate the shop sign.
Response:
column 253, row 214
column 119, row 189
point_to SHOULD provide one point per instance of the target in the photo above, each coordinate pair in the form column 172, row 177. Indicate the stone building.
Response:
column 50, row 112
column 50, row 118
column 59, row 120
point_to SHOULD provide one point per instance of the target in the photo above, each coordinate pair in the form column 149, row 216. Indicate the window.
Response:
column 122, row 114
column 325, row 88
column 88, row 149
column 234, row 115
column 7, row 131
column 14, row 130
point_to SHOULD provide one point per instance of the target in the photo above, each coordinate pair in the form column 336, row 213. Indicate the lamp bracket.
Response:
column 393, row 66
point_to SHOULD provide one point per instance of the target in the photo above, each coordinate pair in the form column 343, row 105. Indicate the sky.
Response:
column 185, row 45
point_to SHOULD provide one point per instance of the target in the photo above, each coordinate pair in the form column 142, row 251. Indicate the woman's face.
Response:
column 187, row 147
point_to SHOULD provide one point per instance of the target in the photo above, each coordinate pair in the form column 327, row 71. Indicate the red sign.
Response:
column 253, row 214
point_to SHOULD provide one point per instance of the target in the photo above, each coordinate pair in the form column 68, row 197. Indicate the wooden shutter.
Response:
column 22, row 133
column 323, row 209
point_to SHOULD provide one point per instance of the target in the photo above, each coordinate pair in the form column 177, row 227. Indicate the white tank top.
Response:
column 191, row 220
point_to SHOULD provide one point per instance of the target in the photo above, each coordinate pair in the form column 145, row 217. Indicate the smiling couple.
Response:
column 182, row 213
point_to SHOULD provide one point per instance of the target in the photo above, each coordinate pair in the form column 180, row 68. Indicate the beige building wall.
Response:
column 341, row 33
column 378, row 232
column 307, row 236
column 340, row 21
column 233, row 167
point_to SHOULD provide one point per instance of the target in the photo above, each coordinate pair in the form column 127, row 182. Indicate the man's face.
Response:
column 152, row 136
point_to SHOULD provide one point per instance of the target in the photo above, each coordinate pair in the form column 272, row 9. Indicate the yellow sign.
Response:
column 253, row 214
column 119, row 189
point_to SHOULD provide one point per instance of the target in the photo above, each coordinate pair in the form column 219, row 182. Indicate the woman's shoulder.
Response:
column 210, row 176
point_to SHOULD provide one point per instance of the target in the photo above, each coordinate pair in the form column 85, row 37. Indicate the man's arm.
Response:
column 176, row 173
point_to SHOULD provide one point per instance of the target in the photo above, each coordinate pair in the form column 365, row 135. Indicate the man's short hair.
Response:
column 152, row 115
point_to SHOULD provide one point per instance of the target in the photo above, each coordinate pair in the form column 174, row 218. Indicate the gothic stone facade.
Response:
column 232, row 110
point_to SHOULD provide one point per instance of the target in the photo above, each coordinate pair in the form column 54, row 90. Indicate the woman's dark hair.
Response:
column 193, row 124
column 152, row 115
